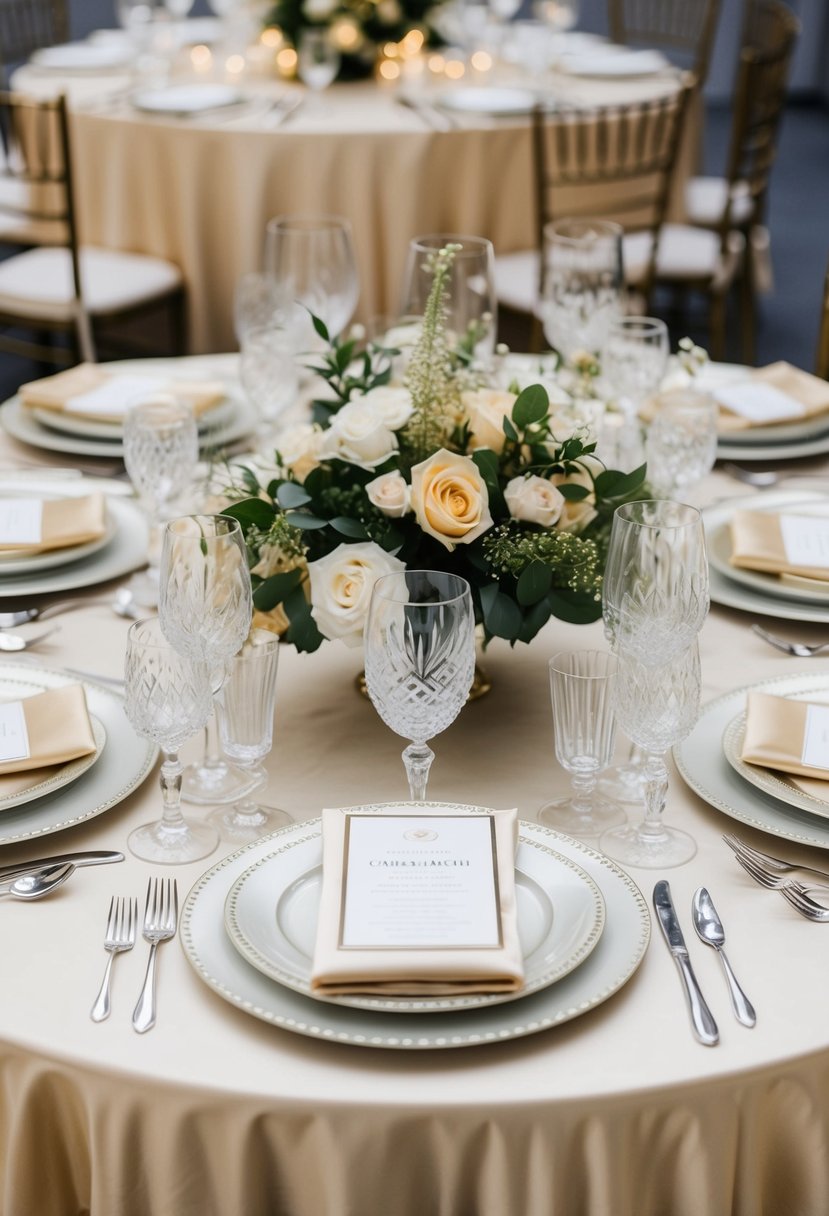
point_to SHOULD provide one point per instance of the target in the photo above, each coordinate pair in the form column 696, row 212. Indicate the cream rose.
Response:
column 535, row 500
column 359, row 435
column 577, row 515
column 390, row 494
column 300, row 449
column 450, row 498
column 486, row 409
column 341, row 584
column 392, row 402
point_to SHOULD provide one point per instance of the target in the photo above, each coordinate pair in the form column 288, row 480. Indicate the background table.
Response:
column 617, row 1113
column 200, row 191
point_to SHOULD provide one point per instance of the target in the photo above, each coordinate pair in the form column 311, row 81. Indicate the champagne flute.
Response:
column 205, row 610
column 471, row 307
column 167, row 699
column 318, row 59
column 582, row 283
column 420, row 659
column 311, row 260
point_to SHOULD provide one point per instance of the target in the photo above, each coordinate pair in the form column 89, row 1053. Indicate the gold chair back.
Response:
column 27, row 25
column 684, row 29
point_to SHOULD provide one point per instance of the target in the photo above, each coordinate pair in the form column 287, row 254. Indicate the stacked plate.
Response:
column 249, row 924
column 709, row 761
column 752, row 590
column 47, row 800
column 780, row 441
column 121, row 549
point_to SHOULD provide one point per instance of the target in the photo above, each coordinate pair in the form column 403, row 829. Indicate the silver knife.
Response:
column 702, row 1020
column 94, row 857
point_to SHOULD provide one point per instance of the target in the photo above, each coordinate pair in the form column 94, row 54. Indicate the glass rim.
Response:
column 172, row 525
column 694, row 515
column 430, row 241
column 159, row 642
column 611, row 660
column 464, row 593
column 644, row 324
column 296, row 221
column 158, row 401
column 595, row 228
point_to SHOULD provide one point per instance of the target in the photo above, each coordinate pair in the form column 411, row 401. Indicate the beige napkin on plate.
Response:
column 58, row 728
column 64, row 522
column 775, row 736
column 90, row 392
column 408, row 970
column 757, row 543
column 810, row 392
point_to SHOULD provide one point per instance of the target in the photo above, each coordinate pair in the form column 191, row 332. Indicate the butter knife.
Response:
column 94, row 857
column 702, row 1020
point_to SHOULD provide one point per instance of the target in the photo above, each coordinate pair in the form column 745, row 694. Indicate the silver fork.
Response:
column 777, row 882
column 774, row 864
column 801, row 650
column 120, row 935
column 794, row 894
column 160, row 919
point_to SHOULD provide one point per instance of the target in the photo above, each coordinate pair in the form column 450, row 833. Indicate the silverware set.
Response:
column 159, row 925
column 799, row 885
column 709, row 929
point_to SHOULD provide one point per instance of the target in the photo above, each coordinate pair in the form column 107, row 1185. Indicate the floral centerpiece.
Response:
column 441, row 471
column 358, row 28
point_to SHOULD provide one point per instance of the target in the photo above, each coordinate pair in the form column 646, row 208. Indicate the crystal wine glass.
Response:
column 420, row 659
column 681, row 444
column 257, row 304
column 168, row 698
column 318, row 59
column 581, row 688
column 268, row 372
column 246, row 712
column 205, row 609
column 161, row 450
column 657, row 705
column 582, row 283
column 471, row 307
column 634, row 362
column 311, row 259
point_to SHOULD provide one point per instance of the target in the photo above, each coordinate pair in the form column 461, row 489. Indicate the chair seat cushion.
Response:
column 686, row 254
column 516, row 280
column 705, row 199
column 38, row 283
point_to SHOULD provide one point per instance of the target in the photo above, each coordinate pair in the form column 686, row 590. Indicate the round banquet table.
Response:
column 200, row 191
column 619, row 1112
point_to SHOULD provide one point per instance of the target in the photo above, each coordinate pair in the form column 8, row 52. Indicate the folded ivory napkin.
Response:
column 792, row 736
column 48, row 728
column 35, row 525
column 774, row 394
column 782, row 543
column 89, row 391
column 417, row 902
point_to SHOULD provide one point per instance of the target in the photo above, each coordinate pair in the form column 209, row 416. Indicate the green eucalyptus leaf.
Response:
column 502, row 616
column 532, row 405
column 321, row 328
column 349, row 527
column 534, row 582
column 535, row 618
column 304, row 521
column 613, row 484
column 252, row 512
column 573, row 492
column 509, row 429
column 272, row 591
column 575, row 607
column 290, row 494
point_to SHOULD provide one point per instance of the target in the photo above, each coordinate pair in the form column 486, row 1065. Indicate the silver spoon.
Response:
column 710, row 930
column 126, row 605
column 42, row 882
column 13, row 641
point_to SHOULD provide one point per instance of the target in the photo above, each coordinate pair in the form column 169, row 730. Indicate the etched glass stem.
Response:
column 171, row 771
column 656, row 793
column 418, row 761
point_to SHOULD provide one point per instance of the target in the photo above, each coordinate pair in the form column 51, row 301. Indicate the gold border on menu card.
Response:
column 455, row 946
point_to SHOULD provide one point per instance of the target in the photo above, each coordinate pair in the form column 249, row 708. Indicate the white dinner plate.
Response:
column 184, row 99
column 228, row 423
column 113, row 432
column 125, row 551
column 718, row 539
column 618, row 953
column 701, row 762
column 124, row 762
column 734, row 593
column 496, row 101
column 772, row 781
column 55, row 776
column 22, row 563
column 613, row 63
column 793, row 450
column 84, row 57
column 271, row 918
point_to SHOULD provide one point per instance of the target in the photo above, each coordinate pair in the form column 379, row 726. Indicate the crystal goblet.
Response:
column 312, row 262
column 472, row 303
column 420, row 659
column 582, row 283
column 681, row 444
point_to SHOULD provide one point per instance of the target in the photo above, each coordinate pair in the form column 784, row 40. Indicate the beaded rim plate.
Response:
column 611, row 964
column 59, row 775
column 772, row 781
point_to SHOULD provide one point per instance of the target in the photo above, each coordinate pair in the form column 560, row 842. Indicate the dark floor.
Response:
column 799, row 224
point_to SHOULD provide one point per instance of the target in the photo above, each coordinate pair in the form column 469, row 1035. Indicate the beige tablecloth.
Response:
column 616, row 1113
column 200, row 192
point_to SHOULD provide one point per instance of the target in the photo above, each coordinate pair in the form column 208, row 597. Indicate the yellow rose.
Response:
column 486, row 409
column 450, row 499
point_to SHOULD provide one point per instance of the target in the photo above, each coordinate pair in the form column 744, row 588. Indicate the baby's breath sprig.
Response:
column 574, row 560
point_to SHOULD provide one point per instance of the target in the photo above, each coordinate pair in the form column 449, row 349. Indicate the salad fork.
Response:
column 795, row 895
column 120, row 936
column 777, row 882
column 771, row 864
column 160, row 920
column 801, row 650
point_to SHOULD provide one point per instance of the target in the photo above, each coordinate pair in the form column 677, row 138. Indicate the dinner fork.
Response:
column 775, row 864
column 801, row 650
column 160, row 919
column 797, row 897
column 776, row 882
column 120, row 936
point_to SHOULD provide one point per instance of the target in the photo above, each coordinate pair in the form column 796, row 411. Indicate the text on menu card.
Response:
column 14, row 737
column 816, row 737
column 806, row 540
column 420, row 882
column 21, row 521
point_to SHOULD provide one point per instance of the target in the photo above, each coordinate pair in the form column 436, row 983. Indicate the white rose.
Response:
column 575, row 516
column 359, row 435
column 390, row 494
column 341, row 584
column 318, row 10
column 486, row 409
column 300, row 449
column 393, row 404
column 535, row 500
